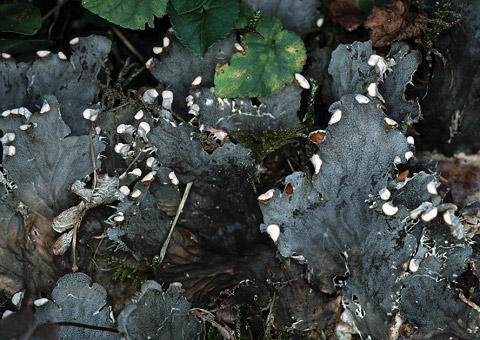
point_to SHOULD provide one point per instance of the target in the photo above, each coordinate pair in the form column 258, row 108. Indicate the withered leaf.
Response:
column 393, row 22
column 347, row 13
column 67, row 219
column 63, row 243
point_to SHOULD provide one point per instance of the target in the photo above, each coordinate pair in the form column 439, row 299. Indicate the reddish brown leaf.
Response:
column 393, row 22
column 347, row 13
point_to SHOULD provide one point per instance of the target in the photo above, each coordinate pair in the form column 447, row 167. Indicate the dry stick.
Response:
column 78, row 219
column 54, row 9
column 163, row 251
column 128, row 44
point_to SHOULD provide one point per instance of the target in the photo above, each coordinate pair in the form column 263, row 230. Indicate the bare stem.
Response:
column 163, row 251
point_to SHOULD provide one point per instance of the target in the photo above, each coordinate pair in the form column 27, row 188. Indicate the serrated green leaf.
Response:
column 185, row 6
column 131, row 14
column 200, row 29
column 20, row 18
column 271, row 58
column 244, row 16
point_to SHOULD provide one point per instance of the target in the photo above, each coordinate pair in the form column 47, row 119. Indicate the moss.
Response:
column 125, row 272
column 271, row 140
column 444, row 18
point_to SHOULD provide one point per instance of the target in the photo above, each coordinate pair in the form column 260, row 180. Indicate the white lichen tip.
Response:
column 157, row 50
column 45, row 107
column 430, row 214
column 267, row 196
column 6, row 113
column 385, row 194
column 373, row 60
column 432, row 188
column 25, row 127
column 8, row 137
column 361, row 99
column 320, row 22
column 121, row 218
column 22, row 111
column 336, row 116
column 389, row 209
column 302, row 81
column 136, row 193
column 7, row 313
column 43, row 53
column 239, row 47
column 149, row 63
column 125, row 128
column 149, row 177
column 124, row 190
column 166, row 42
column 173, row 178
column 139, row 115
column 40, row 302
column 6, row 56
column 151, row 162
column 317, row 163
column 121, row 148
column 273, row 231
column 17, row 299
column 90, row 114
column 62, row 56
column 197, row 81
column 408, row 155
column 372, row 90
column 137, row 172
column 9, row 150
column 411, row 140
column 448, row 217
column 397, row 160
column 413, row 265
column 74, row 41
column 390, row 122
column 143, row 129
column 149, row 96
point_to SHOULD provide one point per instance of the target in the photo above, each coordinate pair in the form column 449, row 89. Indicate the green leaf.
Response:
column 17, row 46
column 200, row 29
column 185, row 6
column 131, row 14
column 244, row 17
column 20, row 18
column 271, row 58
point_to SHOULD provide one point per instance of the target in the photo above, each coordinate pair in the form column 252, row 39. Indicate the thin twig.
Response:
column 134, row 160
column 163, row 251
column 128, row 44
column 92, row 153
column 79, row 217
column 54, row 9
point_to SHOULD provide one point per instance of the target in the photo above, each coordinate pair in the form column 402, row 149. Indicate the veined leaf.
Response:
column 20, row 18
column 271, row 58
column 200, row 29
column 131, row 14
column 185, row 6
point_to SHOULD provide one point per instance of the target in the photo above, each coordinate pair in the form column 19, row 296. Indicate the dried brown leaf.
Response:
column 347, row 13
column 394, row 22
